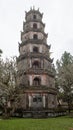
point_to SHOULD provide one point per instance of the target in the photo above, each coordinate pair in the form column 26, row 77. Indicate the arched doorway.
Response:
column 35, row 36
column 37, row 81
column 36, row 65
column 35, row 49
column 35, row 26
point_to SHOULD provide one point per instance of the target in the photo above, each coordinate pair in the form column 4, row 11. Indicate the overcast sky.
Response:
column 58, row 17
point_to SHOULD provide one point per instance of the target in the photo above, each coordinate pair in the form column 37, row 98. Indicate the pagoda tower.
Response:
column 36, row 76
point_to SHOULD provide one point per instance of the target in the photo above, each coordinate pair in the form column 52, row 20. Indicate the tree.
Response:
column 65, row 77
column 0, row 52
column 8, row 72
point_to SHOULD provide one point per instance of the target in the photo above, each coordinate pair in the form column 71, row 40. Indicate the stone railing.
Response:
column 34, row 30
column 38, row 41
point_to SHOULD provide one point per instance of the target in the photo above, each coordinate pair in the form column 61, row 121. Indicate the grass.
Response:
column 59, row 123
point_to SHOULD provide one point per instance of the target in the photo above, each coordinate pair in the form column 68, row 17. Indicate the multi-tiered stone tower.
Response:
column 36, row 83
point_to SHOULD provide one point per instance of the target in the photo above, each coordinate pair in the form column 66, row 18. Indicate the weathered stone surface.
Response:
column 36, row 83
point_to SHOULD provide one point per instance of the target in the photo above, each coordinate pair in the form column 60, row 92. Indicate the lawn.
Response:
column 59, row 123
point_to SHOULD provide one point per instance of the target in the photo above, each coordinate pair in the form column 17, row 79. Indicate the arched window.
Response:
column 36, row 81
column 35, row 36
column 35, row 26
column 34, row 16
column 36, row 65
column 35, row 49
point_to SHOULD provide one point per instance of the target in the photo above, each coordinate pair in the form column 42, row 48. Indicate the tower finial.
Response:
column 30, row 8
column 33, row 7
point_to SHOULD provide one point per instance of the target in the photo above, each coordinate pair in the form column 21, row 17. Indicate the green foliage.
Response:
column 66, row 59
column 0, row 52
column 60, row 123
column 8, row 72
column 65, row 77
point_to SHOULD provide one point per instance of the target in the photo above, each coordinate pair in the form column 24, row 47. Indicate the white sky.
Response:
column 58, row 17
